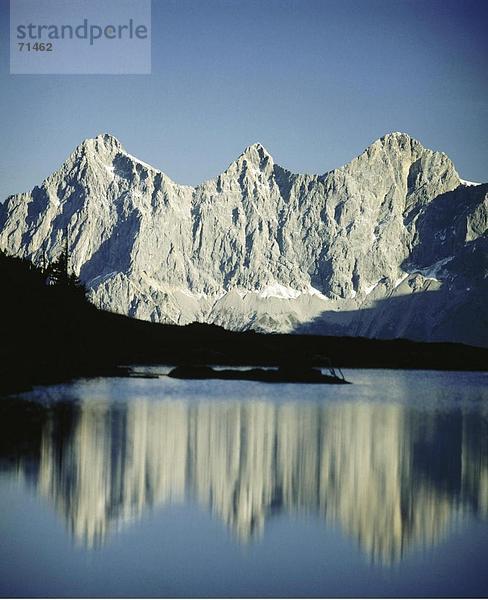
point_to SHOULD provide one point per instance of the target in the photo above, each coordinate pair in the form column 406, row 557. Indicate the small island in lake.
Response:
column 283, row 374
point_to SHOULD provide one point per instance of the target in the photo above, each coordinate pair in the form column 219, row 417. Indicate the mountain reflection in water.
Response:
column 393, row 477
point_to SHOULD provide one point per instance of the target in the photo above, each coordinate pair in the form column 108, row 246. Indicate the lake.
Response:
column 162, row 487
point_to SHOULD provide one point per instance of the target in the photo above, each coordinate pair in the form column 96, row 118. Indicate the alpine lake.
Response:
column 158, row 487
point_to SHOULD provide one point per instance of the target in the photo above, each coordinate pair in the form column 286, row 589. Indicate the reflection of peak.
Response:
column 373, row 469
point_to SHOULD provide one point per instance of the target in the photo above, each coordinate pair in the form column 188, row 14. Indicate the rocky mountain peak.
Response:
column 95, row 152
column 257, row 156
column 397, row 137
column 256, row 150
column 398, row 144
column 102, row 144
column 259, row 247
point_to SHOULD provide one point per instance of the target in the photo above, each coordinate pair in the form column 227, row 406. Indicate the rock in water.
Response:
column 393, row 244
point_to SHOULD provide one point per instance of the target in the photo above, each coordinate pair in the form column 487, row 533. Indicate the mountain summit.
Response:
column 392, row 244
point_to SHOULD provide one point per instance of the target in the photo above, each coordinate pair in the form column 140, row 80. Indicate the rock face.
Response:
column 393, row 244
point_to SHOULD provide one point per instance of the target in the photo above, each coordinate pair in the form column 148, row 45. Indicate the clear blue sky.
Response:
column 314, row 81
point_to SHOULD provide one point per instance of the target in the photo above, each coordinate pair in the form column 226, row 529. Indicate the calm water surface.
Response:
column 160, row 487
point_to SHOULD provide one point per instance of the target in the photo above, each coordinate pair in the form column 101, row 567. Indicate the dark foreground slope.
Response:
column 50, row 333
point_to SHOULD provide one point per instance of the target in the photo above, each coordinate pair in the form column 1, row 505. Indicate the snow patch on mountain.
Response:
column 468, row 183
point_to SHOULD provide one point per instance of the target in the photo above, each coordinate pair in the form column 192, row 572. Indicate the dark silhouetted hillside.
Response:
column 50, row 332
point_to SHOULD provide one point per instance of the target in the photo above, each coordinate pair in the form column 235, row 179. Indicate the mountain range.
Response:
column 393, row 244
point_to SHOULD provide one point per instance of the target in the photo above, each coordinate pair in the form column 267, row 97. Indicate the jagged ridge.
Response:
column 392, row 244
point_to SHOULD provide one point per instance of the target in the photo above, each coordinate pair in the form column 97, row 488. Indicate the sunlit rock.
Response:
column 392, row 244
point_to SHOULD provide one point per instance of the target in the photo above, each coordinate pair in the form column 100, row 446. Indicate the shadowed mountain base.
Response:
column 51, row 333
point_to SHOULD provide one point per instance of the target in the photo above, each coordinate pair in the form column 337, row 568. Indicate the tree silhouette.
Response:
column 59, row 273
